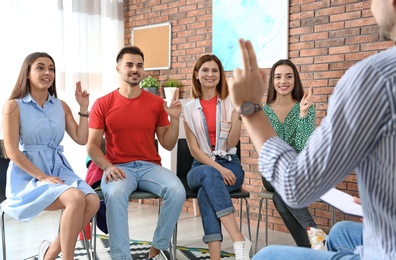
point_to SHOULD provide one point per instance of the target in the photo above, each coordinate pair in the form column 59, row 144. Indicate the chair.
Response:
column 184, row 161
column 3, row 176
column 263, row 195
column 268, row 195
column 136, row 195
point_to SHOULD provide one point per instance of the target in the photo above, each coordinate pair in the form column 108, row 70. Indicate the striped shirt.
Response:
column 358, row 133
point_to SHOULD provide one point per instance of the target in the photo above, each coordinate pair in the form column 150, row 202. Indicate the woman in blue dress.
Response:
column 39, row 177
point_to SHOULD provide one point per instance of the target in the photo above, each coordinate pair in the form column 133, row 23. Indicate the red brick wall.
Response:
column 325, row 39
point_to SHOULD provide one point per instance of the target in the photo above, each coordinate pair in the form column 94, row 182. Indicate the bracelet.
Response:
column 84, row 115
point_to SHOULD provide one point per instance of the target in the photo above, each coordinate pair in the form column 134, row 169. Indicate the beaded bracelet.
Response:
column 84, row 115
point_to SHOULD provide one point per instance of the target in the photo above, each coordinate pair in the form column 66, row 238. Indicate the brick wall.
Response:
column 326, row 37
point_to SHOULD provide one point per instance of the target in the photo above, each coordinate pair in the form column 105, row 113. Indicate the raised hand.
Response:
column 175, row 107
column 82, row 96
column 247, row 84
column 306, row 102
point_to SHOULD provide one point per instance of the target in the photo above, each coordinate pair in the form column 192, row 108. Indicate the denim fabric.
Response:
column 343, row 240
column 148, row 177
column 213, row 195
column 345, row 236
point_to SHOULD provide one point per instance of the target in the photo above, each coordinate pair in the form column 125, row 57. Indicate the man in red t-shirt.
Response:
column 129, row 119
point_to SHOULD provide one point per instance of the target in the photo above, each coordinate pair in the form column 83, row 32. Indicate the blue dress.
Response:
column 41, row 131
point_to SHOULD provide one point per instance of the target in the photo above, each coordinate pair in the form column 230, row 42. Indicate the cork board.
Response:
column 155, row 42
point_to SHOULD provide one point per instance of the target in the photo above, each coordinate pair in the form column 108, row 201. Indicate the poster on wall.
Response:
column 264, row 22
column 155, row 42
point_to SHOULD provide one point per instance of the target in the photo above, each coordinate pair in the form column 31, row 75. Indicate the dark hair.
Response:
column 221, row 88
column 22, row 85
column 130, row 50
column 298, row 91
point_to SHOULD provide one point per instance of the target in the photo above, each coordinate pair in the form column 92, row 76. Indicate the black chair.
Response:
column 3, row 177
column 184, row 161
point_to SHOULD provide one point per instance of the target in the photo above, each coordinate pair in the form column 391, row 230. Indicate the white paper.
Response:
column 342, row 201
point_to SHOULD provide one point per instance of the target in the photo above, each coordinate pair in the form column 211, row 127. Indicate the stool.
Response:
column 263, row 195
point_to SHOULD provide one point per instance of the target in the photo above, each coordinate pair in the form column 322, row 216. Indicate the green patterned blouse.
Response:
column 294, row 130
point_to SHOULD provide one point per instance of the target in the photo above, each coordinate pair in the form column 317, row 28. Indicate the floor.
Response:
column 23, row 239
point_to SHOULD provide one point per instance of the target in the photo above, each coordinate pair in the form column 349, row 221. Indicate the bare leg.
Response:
column 231, row 226
column 153, row 252
column 73, row 203
column 214, row 250
column 92, row 204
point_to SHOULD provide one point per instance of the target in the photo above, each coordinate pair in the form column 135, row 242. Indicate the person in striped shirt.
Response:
column 358, row 133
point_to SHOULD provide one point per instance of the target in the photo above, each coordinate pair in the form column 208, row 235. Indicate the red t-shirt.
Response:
column 209, row 110
column 129, row 125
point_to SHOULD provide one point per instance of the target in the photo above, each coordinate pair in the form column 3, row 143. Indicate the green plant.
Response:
column 150, row 82
column 172, row 83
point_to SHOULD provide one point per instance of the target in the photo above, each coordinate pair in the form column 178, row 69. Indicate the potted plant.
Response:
column 170, row 87
column 150, row 84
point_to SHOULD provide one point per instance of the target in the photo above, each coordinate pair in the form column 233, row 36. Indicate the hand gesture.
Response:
column 306, row 102
column 82, row 97
column 113, row 174
column 175, row 108
column 247, row 84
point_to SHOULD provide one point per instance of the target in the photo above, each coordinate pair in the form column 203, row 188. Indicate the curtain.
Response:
column 83, row 37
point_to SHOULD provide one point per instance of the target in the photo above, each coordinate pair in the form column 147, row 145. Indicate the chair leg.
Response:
column 86, row 245
column 94, row 223
column 248, row 218
column 173, row 244
column 3, row 235
column 248, row 224
column 240, row 215
column 266, row 222
column 258, row 225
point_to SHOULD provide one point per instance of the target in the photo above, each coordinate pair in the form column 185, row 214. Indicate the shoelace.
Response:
column 239, row 251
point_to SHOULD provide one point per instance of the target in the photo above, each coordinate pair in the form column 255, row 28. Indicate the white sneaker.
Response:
column 43, row 249
column 242, row 249
column 161, row 256
column 317, row 238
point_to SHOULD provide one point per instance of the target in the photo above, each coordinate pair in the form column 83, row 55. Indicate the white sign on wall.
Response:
column 264, row 22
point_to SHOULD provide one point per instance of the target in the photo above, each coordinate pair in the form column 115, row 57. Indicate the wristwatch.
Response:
column 248, row 108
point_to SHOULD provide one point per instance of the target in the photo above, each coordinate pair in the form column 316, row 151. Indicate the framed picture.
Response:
column 155, row 42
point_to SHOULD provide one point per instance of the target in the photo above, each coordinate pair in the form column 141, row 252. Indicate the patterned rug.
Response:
column 139, row 251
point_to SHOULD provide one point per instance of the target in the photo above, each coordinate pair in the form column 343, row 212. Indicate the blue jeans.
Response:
column 344, row 238
column 144, row 176
column 213, row 195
